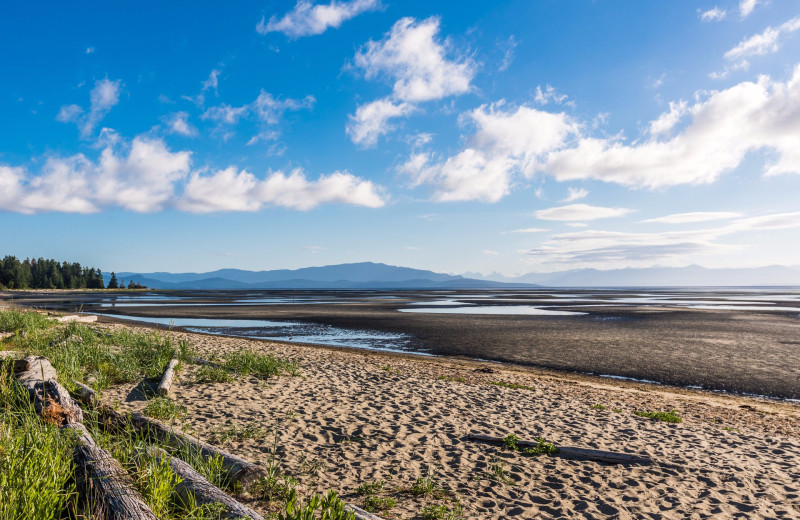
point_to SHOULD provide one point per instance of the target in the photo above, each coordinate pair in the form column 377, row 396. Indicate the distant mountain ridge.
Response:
column 364, row 275
column 689, row 276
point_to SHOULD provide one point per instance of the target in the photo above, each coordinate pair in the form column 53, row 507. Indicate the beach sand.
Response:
column 353, row 417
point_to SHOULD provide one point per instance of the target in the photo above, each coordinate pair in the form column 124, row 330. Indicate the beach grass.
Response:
column 668, row 417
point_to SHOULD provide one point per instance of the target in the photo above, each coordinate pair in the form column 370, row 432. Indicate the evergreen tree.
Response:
column 113, row 283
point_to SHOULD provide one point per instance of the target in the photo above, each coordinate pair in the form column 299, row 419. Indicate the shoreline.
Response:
column 353, row 417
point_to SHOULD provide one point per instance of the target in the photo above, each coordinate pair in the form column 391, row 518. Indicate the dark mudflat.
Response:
column 732, row 350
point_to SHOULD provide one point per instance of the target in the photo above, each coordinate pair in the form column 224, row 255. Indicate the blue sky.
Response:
column 484, row 136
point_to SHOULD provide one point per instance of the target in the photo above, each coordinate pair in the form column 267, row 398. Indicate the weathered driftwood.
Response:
column 200, row 361
column 51, row 400
column 360, row 514
column 168, row 377
column 106, row 487
column 85, row 393
column 203, row 491
column 239, row 470
column 74, row 317
column 575, row 453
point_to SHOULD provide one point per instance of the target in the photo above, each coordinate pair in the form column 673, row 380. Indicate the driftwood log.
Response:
column 168, row 377
column 574, row 453
column 106, row 488
column 203, row 491
column 51, row 400
column 85, row 393
column 239, row 470
column 74, row 317
column 360, row 514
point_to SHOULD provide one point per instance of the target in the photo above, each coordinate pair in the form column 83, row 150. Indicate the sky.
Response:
column 507, row 137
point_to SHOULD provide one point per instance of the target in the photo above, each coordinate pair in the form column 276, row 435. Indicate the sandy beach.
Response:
column 353, row 417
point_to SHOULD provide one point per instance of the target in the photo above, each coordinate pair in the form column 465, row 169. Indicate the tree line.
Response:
column 47, row 274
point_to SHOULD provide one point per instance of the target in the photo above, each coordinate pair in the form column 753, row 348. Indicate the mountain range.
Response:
column 369, row 275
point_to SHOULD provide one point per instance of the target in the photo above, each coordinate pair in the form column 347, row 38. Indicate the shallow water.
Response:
column 508, row 310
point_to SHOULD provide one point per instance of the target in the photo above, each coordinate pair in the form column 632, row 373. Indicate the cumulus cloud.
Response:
column 307, row 19
column 372, row 120
column 713, row 15
column 178, row 123
column 580, row 212
column 266, row 109
column 695, row 216
column 574, row 194
column 416, row 60
column 766, row 42
column 145, row 176
column 746, row 7
column 231, row 190
column 103, row 97
column 507, row 141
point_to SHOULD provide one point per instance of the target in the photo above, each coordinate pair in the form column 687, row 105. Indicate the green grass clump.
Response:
column 428, row 486
column 452, row 379
column 599, row 407
column 18, row 321
column 234, row 432
column 542, row 446
column 35, row 459
column 262, row 366
column 375, row 503
column 442, row 512
column 324, row 507
column 510, row 385
column 371, row 488
column 212, row 374
column 164, row 408
column 668, row 417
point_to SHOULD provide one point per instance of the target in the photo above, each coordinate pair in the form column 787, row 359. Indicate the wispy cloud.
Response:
column 574, row 194
column 696, row 216
column 307, row 19
column 766, row 42
column 747, row 6
column 580, row 212
column 527, row 230
column 373, row 120
column 103, row 97
column 714, row 14
column 489, row 252
column 178, row 123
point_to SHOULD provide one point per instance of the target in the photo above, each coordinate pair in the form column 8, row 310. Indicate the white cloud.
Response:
column 667, row 121
column 550, row 95
column 372, row 120
column 749, row 116
column 508, row 53
column 574, row 194
column 212, row 82
column 766, row 42
column 307, row 19
column 229, row 190
column 489, row 252
column 179, row 124
column 695, row 216
column 746, row 7
column 103, row 97
column 713, row 15
column 267, row 109
column 614, row 249
column 90, row 50
column 527, row 230
column 415, row 58
column 145, row 175
column 507, row 142
column 579, row 212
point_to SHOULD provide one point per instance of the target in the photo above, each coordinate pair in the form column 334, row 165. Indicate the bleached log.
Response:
column 107, row 489
column 51, row 400
column 86, row 394
column 239, row 470
column 574, row 453
column 360, row 514
column 74, row 317
column 204, row 492
column 166, row 379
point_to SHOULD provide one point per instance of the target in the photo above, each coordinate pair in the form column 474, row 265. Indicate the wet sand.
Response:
column 739, row 351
